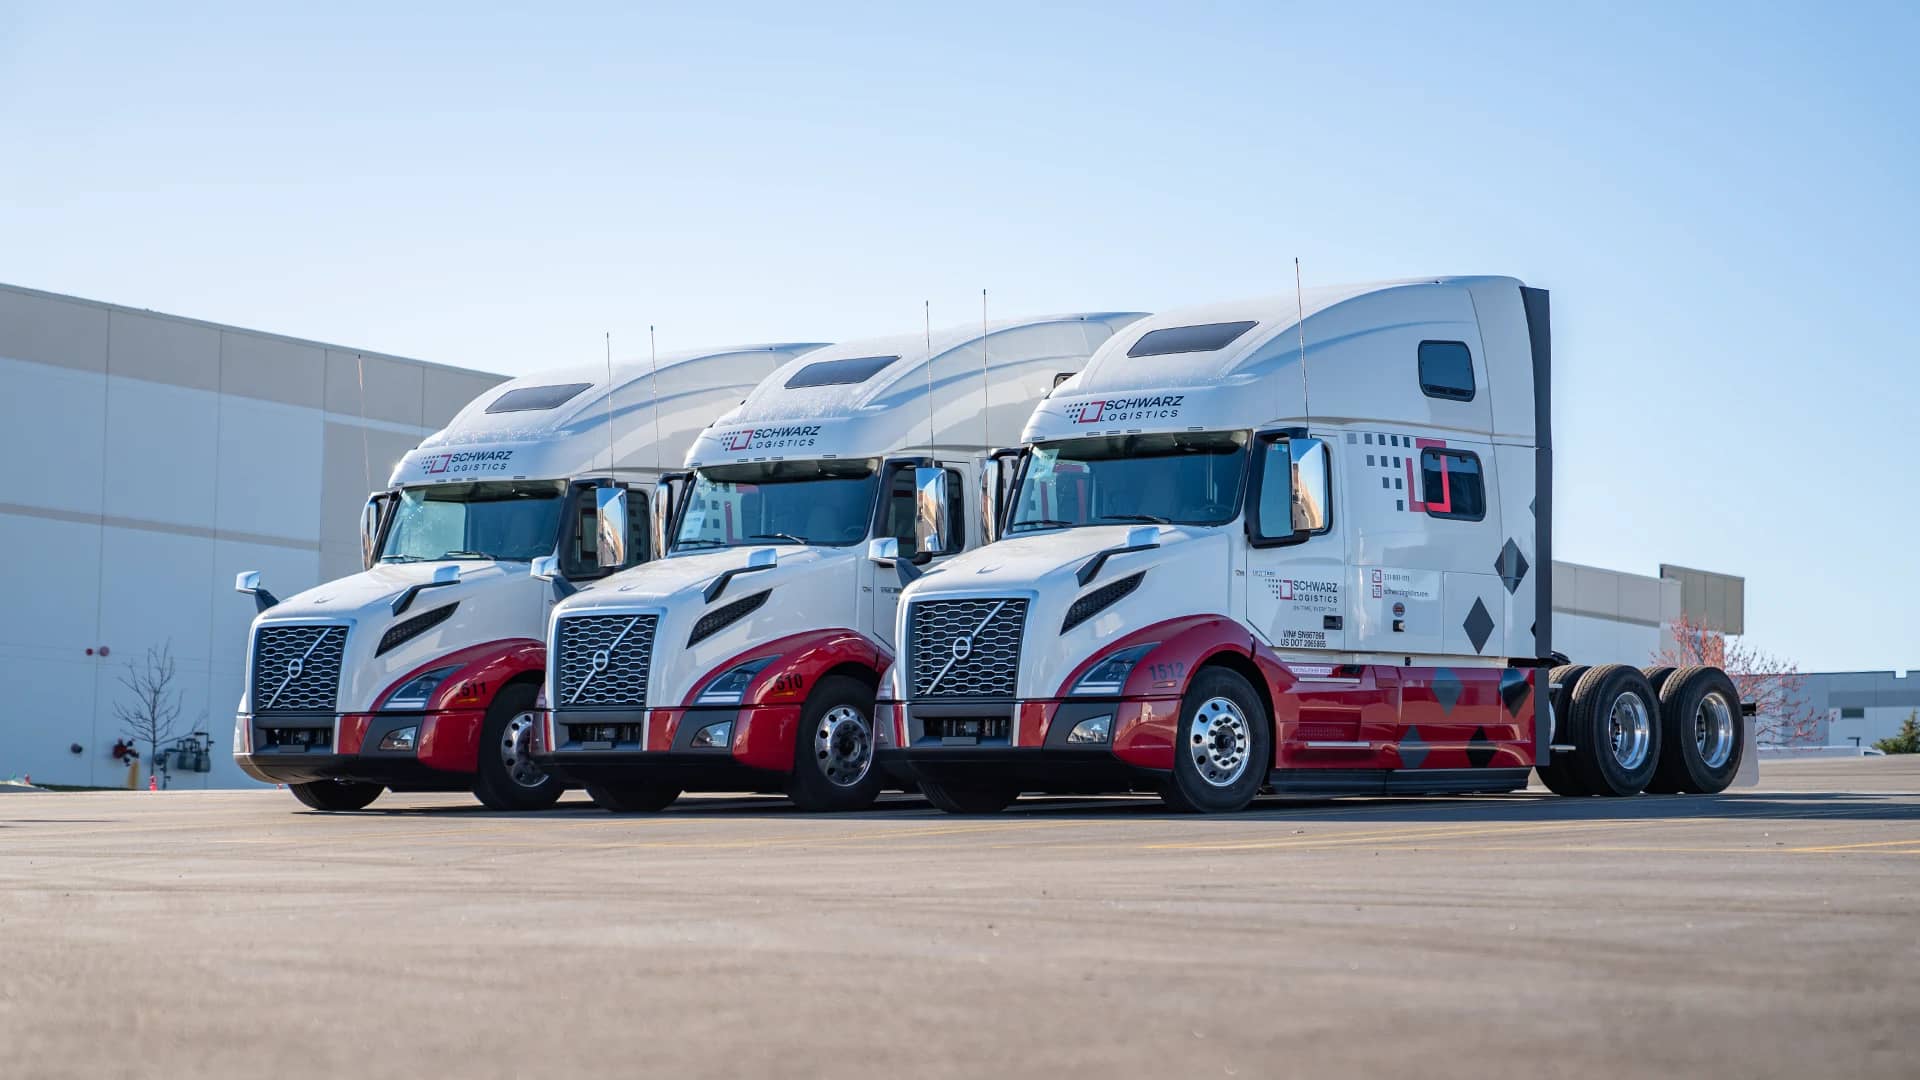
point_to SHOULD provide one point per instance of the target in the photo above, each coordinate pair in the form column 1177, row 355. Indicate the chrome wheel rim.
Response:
column 1713, row 731
column 516, row 752
column 843, row 746
column 1629, row 730
column 1220, row 742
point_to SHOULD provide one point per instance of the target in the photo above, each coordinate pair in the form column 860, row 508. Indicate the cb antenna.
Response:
column 653, row 364
column 927, row 311
column 986, row 398
column 1300, row 307
column 609, row 339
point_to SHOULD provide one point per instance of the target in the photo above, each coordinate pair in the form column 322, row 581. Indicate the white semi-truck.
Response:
column 748, row 657
column 1296, row 545
column 421, row 673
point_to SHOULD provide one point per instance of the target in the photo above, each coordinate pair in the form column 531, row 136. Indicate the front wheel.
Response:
column 508, row 778
column 1224, row 748
column 336, row 795
column 833, row 750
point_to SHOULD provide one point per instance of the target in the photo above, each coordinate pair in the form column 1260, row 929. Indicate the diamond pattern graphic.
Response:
column 1413, row 749
column 1511, row 566
column 1514, row 690
column 1479, row 626
column 1446, row 689
column 1479, row 749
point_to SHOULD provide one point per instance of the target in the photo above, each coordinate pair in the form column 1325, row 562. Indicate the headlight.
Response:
column 731, row 686
column 413, row 694
column 400, row 739
column 1109, row 675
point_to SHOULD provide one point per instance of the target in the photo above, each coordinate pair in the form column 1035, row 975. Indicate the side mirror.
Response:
column 610, row 508
column 1310, row 496
column 545, row 567
column 932, row 532
column 995, row 481
column 884, row 550
column 666, row 500
column 372, row 518
column 248, row 581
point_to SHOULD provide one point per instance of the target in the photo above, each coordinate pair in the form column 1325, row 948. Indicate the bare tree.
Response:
column 1774, row 685
column 155, row 703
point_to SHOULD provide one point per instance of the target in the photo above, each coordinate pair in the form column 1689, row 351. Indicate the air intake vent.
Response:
column 296, row 668
column 406, row 630
column 602, row 661
column 1099, row 600
column 726, row 615
column 965, row 648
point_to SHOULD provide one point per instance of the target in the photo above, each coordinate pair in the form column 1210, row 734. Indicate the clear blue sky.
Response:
column 1723, row 203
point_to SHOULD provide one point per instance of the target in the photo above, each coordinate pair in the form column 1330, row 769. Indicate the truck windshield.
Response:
column 1185, row 478
column 492, row 519
column 794, row 502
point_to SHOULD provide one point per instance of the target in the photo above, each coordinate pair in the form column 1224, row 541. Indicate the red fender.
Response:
column 1144, row 730
column 450, row 730
column 763, row 737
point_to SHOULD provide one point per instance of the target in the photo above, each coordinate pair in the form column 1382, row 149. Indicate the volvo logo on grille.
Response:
column 601, row 658
column 294, row 667
column 962, row 647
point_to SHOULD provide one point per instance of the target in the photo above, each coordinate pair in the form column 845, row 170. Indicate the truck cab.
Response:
column 748, row 657
column 1299, row 545
column 421, row 672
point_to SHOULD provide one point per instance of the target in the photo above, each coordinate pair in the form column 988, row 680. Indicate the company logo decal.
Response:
column 789, row 436
column 294, row 667
column 1120, row 410
column 962, row 648
column 468, row 461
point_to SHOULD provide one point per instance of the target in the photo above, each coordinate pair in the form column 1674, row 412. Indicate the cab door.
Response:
column 895, row 519
column 1296, row 561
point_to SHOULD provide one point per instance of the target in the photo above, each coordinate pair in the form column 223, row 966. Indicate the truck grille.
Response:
column 603, row 661
column 965, row 648
column 297, row 668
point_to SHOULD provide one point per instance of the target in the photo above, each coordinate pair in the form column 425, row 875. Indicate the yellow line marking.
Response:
column 1822, row 848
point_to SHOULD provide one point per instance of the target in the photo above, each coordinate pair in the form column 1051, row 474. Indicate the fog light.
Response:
column 714, row 736
column 400, row 739
column 1094, row 730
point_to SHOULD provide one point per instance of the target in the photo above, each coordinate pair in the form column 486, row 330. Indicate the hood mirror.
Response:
column 932, row 531
column 545, row 567
column 884, row 549
column 610, row 543
column 248, row 581
column 762, row 558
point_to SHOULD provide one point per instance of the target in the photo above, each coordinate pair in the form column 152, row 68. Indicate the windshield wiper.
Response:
column 403, row 558
column 1042, row 523
column 699, row 542
column 1150, row 518
column 789, row 537
column 466, row 555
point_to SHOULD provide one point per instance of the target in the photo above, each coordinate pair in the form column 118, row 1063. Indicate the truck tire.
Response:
column 632, row 798
column 968, row 798
column 833, row 749
column 336, row 795
column 1657, row 676
column 1705, row 732
column 1224, row 748
column 1615, row 729
column 507, row 778
column 1558, row 774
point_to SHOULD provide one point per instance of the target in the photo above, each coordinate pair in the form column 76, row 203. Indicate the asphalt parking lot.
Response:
column 1768, row 932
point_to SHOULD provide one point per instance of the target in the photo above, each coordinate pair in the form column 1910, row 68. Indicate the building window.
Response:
column 1853, row 714
column 1451, row 484
column 1446, row 370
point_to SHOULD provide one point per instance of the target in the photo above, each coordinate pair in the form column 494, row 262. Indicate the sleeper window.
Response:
column 1451, row 484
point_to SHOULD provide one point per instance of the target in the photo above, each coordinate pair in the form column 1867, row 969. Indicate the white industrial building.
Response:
column 149, row 459
column 153, row 457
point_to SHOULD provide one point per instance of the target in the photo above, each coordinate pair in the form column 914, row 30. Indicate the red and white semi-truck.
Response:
column 748, row 657
column 421, row 673
column 1293, row 545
